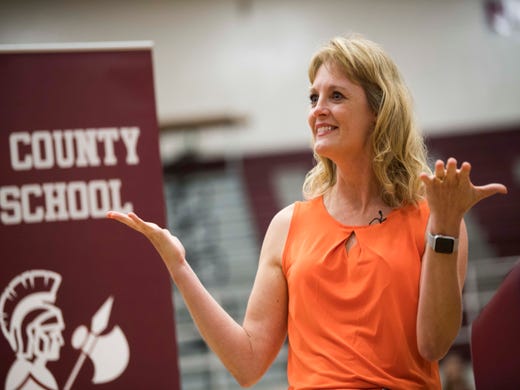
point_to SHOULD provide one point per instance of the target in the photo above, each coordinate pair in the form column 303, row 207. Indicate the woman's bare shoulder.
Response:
column 276, row 235
column 284, row 216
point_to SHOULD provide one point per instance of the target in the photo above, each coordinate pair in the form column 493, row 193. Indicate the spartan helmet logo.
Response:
column 33, row 325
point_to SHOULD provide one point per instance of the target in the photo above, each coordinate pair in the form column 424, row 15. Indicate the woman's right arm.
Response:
column 246, row 350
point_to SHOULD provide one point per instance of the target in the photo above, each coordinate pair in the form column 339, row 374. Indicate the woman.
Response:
column 365, row 277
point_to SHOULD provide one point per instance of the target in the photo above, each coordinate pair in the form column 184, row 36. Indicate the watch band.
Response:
column 443, row 244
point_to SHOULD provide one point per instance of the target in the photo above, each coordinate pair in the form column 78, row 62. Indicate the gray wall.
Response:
column 249, row 58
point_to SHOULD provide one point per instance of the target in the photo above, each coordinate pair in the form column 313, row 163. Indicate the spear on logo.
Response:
column 86, row 340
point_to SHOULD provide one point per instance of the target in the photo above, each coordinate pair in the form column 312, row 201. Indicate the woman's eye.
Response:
column 313, row 99
column 337, row 96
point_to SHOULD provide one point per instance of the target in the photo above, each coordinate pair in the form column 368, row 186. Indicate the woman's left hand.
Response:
column 450, row 193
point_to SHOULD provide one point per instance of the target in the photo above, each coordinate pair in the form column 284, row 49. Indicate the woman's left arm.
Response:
column 450, row 194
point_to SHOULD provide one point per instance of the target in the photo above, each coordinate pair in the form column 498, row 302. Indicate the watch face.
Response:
column 444, row 245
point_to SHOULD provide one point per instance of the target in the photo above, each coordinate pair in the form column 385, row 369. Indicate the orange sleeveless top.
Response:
column 352, row 316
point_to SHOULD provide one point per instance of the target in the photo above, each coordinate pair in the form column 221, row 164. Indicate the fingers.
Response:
column 451, row 168
column 448, row 176
column 450, row 172
column 439, row 172
column 424, row 177
column 131, row 220
column 124, row 218
column 489, row 190
column 465, row 170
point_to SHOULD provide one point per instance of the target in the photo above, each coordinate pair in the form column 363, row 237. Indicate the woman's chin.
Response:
column 322, row 149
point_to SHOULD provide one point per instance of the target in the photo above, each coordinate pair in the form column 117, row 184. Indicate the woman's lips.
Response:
column 324, row 130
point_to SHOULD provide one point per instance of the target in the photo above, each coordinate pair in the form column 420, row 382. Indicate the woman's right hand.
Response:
column 167, row 245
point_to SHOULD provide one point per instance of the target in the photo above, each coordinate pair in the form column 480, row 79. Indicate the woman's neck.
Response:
column 355, row 199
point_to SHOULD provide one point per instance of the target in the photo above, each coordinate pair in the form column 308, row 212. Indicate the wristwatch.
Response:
column 443, row 244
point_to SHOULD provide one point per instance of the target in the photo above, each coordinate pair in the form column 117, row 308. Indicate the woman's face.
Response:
column 339, row 117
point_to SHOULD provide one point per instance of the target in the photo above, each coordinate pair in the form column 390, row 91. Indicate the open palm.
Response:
column 167, row 245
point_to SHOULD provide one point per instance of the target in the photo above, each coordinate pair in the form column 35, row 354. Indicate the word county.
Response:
column 71, row 148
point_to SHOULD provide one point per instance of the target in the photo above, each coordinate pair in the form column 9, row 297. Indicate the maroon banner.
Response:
column 84, row 302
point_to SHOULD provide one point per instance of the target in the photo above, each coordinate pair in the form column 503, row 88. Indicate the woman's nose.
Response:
column 321, row 108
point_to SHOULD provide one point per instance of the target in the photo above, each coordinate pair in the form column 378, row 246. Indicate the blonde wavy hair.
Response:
column 399, row 153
